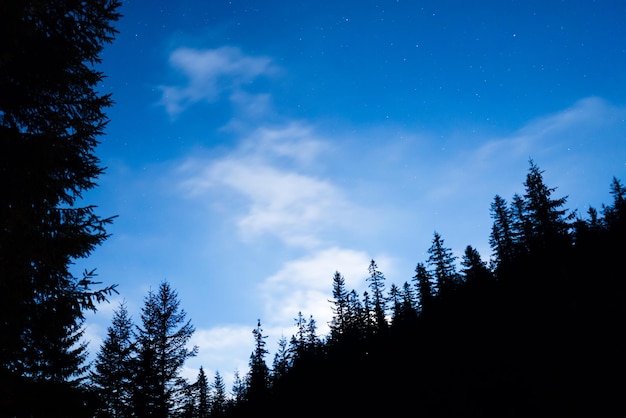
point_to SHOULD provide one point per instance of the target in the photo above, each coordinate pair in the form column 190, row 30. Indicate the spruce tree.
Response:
column 312, row 341
column 161, row 353
column 522, row 226
column 405, row 306
column 218, row 399
column 202, row 391
column 281, row 363
column 355, row 317
column 258, row 375
column 298, row 340
column 441, row 262
column 239, row 389
column 340, row 307
column 424, row 284
column 501, row 239
column 112, row 375
column 395, row 299
column 376, row 281
column 615, row 214
column 549, row 223
column 51, row 118
column 474, row 271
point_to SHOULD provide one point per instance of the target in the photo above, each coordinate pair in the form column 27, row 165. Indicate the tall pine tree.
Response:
column 340, row 307
column 202, row 390
column 474, row 271
column 502, row 239
column 218, row 400
column 376, row 281
column 441, row 262
column 549, row 224
column 112, row 375
column 424, row 283
column 258, row 375
column 161, row 353
column 51, row 118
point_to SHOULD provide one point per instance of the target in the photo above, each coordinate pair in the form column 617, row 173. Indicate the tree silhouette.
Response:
column 340, row 307
column 615, row 214
column 441, row 262
column 51, row 117
column 405, row 307
column 202, row 390
column 549, row 224
column 218, row 402
column 424, row 283
column 258, row 376
column 376, row 281
column 161, row 353
column 282, row 361
column 113, row 374
column 474, row 271
column 502, row 239
column 298, row 344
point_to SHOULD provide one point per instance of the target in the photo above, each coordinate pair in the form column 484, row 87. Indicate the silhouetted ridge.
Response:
column 534, row 333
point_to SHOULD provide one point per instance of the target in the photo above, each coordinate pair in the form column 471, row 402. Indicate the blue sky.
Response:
column 256, row 147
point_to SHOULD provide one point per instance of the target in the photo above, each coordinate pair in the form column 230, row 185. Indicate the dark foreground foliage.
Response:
column 51, row 118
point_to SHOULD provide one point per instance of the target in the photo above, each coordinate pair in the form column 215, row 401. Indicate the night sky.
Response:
column 256, row 147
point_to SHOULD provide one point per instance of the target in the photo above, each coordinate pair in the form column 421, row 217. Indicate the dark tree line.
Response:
column 534, row 332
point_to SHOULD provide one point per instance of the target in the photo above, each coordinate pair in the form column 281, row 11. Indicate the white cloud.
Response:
column 222, row 349
column 209, row 72
column 269, row 171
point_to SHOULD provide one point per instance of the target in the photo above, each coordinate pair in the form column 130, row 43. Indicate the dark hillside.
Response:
column 542, row 337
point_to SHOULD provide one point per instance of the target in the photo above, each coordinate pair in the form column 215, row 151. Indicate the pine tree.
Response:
column 298, row 340
column 312, row 341
column 202, row 390
column 474, row 271
column 501, row 239
column 161, row 353
column 395, row 298
column 340, row 307
column 549, row 224
column 113, row 375
column 281, row 363
column 405, row 306
column 356, row 317
column 51, row 118
column 376, row 281
column 258, row 376
column 424, row 284
column 218, row 400
column 190, row 397
column 522, row 227
column 615, row 214
column 239, row 389
column 441, row 262
column 368, row 318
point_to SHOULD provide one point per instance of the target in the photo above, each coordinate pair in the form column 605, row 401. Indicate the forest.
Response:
column 534, row 331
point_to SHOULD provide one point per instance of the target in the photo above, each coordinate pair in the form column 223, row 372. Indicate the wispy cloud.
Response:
column 209, row 72
column 269, row 171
